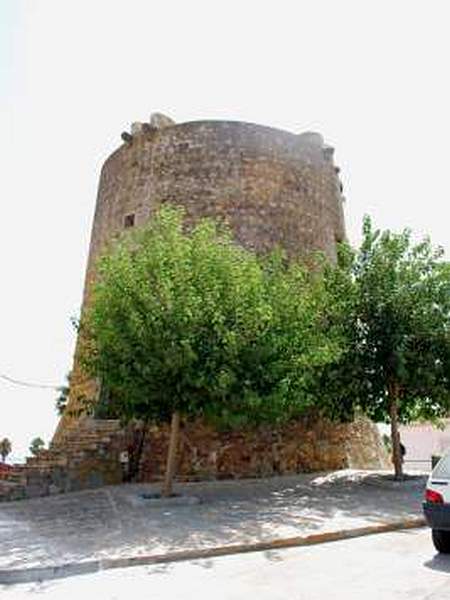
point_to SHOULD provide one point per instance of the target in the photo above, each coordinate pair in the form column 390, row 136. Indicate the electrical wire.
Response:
column 41, row 386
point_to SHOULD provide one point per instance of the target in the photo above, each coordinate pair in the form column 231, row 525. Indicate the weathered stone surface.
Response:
column 87, row 456
column 160, row 121
column 312, row 138
column 137, row 128
column 273, row 188
column 302, row 446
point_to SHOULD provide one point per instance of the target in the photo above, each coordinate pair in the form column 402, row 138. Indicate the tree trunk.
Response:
column 397, row 457
column 171, row 455
column 137, row 455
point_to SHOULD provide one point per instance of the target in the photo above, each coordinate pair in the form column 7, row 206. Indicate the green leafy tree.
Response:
column 37, row 444
column 185, row 325
column 391, row 301
column 5, row 448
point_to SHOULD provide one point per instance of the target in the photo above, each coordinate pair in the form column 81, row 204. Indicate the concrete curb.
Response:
column 27, row 575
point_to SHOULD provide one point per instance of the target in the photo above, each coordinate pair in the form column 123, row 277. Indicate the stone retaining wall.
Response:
column 298, row 447
column 89, row 455
column 86, row 457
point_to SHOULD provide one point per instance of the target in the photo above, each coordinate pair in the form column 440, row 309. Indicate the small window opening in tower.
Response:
column 129, row 220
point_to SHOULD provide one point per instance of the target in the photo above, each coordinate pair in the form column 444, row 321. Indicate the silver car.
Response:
column 436, row 505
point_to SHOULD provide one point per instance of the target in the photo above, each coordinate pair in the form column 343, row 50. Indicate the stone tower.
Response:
column 272, row 187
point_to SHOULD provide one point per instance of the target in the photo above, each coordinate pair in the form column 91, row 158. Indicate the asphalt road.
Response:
column 383, row 567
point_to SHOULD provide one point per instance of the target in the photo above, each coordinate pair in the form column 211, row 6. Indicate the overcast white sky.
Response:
column 371, row 76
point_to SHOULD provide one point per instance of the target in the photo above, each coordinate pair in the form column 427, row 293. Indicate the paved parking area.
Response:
column 115, row 522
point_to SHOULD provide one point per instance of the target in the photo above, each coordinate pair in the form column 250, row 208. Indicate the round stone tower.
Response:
column 274, row 188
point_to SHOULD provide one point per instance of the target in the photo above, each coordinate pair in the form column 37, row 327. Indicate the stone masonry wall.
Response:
column 303, row 446
column 86, row 456
column 271, row 186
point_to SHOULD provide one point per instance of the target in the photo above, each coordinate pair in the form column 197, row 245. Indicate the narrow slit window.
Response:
column 129, row 221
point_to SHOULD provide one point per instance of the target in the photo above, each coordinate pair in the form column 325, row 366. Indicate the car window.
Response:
column 442, row 469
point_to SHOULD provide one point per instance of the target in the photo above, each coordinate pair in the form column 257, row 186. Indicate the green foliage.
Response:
column 37, row 444
column 84, row 405
column 392, row 304
column 5, row 448
column 196, row 324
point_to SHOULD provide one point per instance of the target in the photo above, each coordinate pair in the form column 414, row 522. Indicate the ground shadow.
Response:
column 439, row 562
column 102, row 524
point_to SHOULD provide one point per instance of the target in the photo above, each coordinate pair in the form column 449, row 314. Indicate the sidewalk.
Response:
column 114, row 522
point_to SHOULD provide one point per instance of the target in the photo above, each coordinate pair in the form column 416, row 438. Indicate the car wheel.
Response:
column 441, row 540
